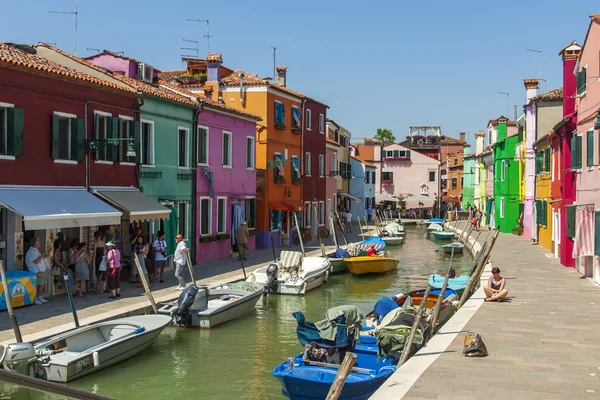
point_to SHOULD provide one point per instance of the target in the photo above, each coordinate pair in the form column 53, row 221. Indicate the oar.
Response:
column 333, row 231
column 321, row 242
column 299, row 235
column 11, row 315
column 341, row 227
column 189, row 263
column 438, row 304
column 243, row 269
column 145, row 284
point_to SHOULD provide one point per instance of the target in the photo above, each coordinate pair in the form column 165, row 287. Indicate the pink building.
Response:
column 584, row 150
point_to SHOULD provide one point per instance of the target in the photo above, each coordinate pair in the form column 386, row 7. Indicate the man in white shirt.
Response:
column 159, row 247
column 36, row 263
column 348, row 217
column 180, row 260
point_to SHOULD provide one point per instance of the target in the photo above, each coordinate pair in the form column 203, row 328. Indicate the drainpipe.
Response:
column 302, row 154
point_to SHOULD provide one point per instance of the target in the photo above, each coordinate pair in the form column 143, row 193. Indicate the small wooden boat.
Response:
column 374, row 264
column 393, row 240
column 456, row 247
column 443, row 235
column 458, row 284
column 82, row 351
column 206, row 308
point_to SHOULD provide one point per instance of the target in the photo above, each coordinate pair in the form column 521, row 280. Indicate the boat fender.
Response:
column 96, row 359
column 291, row 365
column 139, row 330
column 303, row 291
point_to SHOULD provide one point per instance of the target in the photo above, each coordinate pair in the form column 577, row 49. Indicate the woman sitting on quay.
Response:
column 495, row 289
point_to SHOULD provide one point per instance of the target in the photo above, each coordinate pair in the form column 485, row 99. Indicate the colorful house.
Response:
column 542, row 208
column 586, row 157
column 331, row 179
column 362, row 187
column 456, row 181
column 479, row 183
column 486, row 159
column 506, row 175
column 469, row 172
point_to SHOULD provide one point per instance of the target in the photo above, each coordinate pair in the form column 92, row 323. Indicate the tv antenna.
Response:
column 76, row 14
column 540, row 53
column 274, row 63
column 507, row 99
column 208, row 35
column 191, row 48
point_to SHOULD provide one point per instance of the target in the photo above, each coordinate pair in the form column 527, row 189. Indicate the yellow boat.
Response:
column 371, row 265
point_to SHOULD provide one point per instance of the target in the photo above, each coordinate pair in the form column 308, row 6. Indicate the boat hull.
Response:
column 338, row 265
column 393, row 240
column 447, row 249
column 442, row 235
column 457, row 284
column 236, row 309
column 294, row 285
column 371, row 265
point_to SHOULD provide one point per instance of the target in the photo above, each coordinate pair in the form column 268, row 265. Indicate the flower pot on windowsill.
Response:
column 296, row 180
column 207, row 238
column 223, row 236
column 252, row 232
column 280, row 126
column 297, row 130
column 387, row 182
column 279, row 179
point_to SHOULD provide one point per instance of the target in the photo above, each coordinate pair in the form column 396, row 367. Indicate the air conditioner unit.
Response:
column 145, row 73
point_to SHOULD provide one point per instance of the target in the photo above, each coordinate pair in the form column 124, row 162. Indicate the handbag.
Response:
column 103, row 265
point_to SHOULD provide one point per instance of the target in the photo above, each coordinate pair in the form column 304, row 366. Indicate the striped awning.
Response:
column 584, row 234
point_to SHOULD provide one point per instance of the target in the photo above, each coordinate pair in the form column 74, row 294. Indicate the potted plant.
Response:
column 296, row 180
column 386, row 182
column 280, row 126
column 223, row 236
column 279, row 179
column 207, row 238
column 296, row 129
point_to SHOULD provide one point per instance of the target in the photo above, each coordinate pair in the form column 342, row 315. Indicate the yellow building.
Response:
column 542, row 207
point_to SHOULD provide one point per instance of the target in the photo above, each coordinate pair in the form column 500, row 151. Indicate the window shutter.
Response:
column 571, row 221
column 79, row 139
column 590, row 148
column 137, row 128
column 597, row 234
column 547, row 160
column 15, row 131
column 407, row 153
column 74, row 134
column 113, row 133
column 97, row 136
column 579, row 152
column 54, row 149
column 573, row 152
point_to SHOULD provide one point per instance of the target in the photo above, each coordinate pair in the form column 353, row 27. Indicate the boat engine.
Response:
column 271, row 285
column 191, row 297
column 20, row 358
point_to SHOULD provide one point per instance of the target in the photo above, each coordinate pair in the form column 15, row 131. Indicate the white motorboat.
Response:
column 206, row 308
column 393, row 240
column 434, row 227
column 292, row 274
column 84, row 350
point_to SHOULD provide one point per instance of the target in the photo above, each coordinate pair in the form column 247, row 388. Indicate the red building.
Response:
column 315, row 170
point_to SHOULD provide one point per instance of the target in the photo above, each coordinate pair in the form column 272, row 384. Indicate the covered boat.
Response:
column 337, row 260
column 443, row 235
column 292, row 274
column 435, row 221
column 366, row 244
column 84, row 350
column 206, row 308
column 456, row 247
column 371, row 264
column 435, row 227
column 457, row 284
column 393, row 229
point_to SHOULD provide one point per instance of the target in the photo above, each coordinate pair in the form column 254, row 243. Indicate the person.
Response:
column 180, row 261
column 479, row 216
column 372, row 252
column 98, row 255
column 474, row 219
column 348, row 219
column 137, row 232
column 159, row 248
column 37, row 264
column 113, row 269
column 241, row 237
column 57, row 257
column 140, row 251
column 82, row 267
column 369, row 213
column 495, row 290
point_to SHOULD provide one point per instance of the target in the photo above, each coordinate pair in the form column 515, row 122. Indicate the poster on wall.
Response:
column 54, row 275
column 19, row 258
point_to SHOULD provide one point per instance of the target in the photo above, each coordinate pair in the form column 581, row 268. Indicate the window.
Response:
column 221, row 214
column 102, row 132
column 250, row 212
column 335, row 164
column 250, row 152
column 321, row 165
column 502, row 165
column 571, row 223
column 183, row 220
column 367, row 177
column 321, row 213
column 343, row 141
column 226, row 149
column 424, row 189
column 307, row 165
column 147, row 150
column 183, row 137
column 454, row 183
column 126, row 129
column 11, row 131
column 296, row 115
column 576, row 150
column 308, row 121
column 205, row 215
column 462, row 181
column 279, row 115
column 582, row 80
column 307, row 214
column 432, row 176
column 295, row 167
column 373, row 176
column 321, row 123
column 278, row 170
column 399, row 154
column 64, row 138
column 590, row 148
column 68, row 134
column 501, row 207
column 387, row 176
column 202, row 145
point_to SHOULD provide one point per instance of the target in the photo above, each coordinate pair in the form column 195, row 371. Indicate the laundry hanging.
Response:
column 210, row 178
column 584, row 232
column 236, row 218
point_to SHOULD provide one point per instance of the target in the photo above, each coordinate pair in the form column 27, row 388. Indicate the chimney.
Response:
column 213, row 75
column 502, row 127
column 462, row 137
column 280, row 79
column 569, row 54
column 531, row 86
column 479, row 140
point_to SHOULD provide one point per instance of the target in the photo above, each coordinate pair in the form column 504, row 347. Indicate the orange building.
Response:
column 455, row 177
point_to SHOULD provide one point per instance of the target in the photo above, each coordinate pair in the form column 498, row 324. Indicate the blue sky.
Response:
column 377, row 64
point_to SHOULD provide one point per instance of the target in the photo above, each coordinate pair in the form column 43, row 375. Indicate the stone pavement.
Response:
column 543, row 342
column 37, row 322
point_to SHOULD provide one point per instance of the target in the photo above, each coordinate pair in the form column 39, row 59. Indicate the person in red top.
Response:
column 372, row 252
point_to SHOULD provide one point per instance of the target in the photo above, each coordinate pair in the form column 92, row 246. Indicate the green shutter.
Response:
column 545, row 217
column 97, row 136
column 74, row 134
column 571, row 212
column 597, row 234
column 79, row 139
column 590, row 148
column 547, row 161
column 578, row 156
column 137, row 127
column 54, row 149
column 113, row 132
column 15, row 131
column 573, row 151
column 408, row 154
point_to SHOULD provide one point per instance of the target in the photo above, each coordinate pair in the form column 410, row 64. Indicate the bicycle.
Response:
column 296, row 237
column 324, row 232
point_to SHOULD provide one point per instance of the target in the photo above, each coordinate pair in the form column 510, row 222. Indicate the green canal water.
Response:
column 234, row 361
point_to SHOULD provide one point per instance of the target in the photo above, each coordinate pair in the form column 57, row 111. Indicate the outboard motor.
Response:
column 271, row 285
column 184, row 302
column 20, row 358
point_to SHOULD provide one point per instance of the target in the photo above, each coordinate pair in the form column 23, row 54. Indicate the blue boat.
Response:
column 376, row 240
column 435, row 221
column 458, row 284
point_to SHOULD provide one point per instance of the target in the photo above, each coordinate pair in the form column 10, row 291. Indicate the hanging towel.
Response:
column 584, row 235
column 237, row 218
column 209, row 177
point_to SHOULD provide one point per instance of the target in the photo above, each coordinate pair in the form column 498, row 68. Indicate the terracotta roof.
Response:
column 552, row 95
column 450, row 139
column 214, row 57
column 17, row 57
column 494, row 122
column 595, row 17
column 170, row 75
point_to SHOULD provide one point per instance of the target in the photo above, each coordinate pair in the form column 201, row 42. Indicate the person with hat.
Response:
column 241, row 238
column 372, row 252
column 113, row 269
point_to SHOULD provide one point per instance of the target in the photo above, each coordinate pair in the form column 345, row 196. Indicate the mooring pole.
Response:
column 440, row 300
column 340, row 378
column 413, row 330
column 145, row 284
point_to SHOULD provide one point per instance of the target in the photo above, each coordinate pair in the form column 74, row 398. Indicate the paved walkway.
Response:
column 543, row 342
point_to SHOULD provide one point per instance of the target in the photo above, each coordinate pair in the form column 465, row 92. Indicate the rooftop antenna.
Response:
column 274, row 62
column 76, row 14
column 540, row 52
column 507, row 98
column 208, row 35
column 93, row 49
column 191, row 48
column 545, row 84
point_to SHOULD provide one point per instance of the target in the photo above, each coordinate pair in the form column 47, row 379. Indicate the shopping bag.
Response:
column 474, row 346
column 102, row 266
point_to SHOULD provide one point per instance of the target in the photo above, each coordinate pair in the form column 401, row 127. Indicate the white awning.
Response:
column 381, row 197
column 356, row 199
column 134, row 204
column 52, row 207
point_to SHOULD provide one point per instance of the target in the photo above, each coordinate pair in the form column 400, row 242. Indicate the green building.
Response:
column 468, row 198
column 507, row 206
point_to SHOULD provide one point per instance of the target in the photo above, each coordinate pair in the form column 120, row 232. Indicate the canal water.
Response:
column 234, row 361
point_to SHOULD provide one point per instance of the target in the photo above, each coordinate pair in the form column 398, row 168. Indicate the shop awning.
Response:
column 295, row 207
column 52, row 207
column 278, row 206
column 381, row 197
column 419, row 201
column 356, row 199
column 134, row 204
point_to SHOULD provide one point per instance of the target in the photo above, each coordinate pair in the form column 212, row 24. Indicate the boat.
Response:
column 336, row 260
column 456, row 247
column 393, row 240
column 291, row 274
column 435, row 221
column 393, row 229
column 443, row 235
column 366, row 244
column 371, row 264
column 457, row 284
column 206, row 308
column 435, row 227
column 85, row 350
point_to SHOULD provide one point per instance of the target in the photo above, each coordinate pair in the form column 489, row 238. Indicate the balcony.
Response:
column 191, row 79
column 425, row 142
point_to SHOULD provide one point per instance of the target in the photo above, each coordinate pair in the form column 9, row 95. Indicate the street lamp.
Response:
column 94, row 145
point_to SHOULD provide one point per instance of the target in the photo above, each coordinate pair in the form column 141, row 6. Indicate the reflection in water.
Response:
column 235, row 361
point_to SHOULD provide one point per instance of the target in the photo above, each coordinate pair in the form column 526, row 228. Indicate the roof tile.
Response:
column 551, row 95
column 214, row 57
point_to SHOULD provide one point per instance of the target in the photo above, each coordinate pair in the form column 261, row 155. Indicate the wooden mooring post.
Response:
column 340, row 378
column 9, row 309
column 145, row 284
column 440, row 300
column 413, row 330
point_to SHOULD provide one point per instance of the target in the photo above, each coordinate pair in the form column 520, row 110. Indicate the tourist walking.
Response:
column 98, row 256
column 180, row 259
column 140, row 251
column 348, row 219
column 82, row 267
column 369, row 213
column 113, row 269
column 159, row 251
column 479, row 216
column 37, row 264
column 241, row 238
